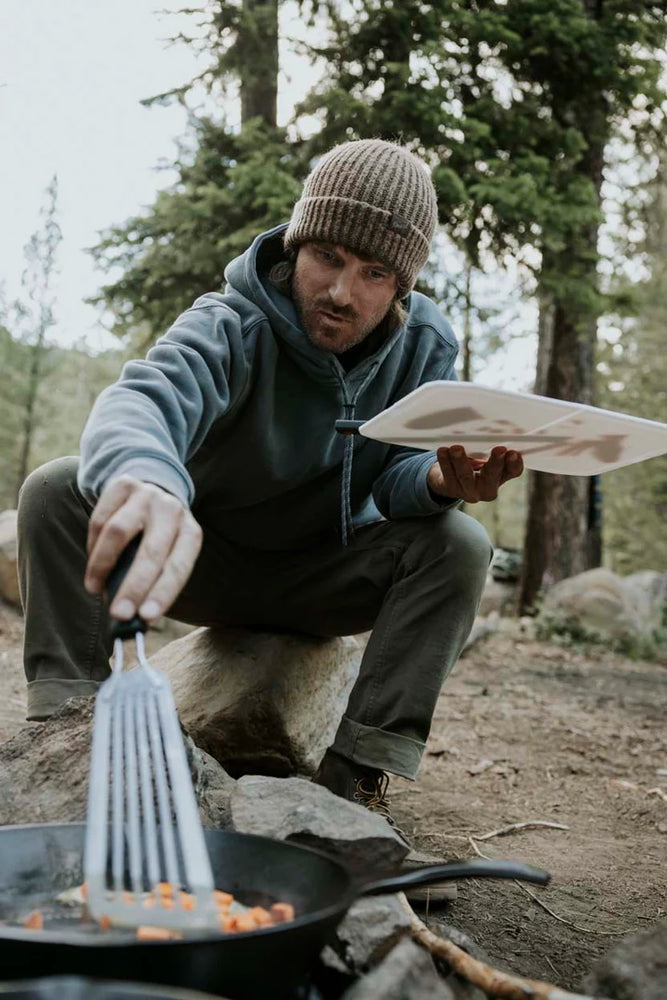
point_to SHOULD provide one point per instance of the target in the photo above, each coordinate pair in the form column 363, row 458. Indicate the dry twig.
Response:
column 531, row 824
column 562, row 920
column 492, row 981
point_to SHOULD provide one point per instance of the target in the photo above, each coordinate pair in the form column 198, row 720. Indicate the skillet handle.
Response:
column 124, row 629
column 476, row 868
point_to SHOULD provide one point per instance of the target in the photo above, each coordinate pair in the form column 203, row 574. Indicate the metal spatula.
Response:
column 143, row 825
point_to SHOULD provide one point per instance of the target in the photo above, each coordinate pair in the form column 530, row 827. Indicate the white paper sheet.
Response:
column 552, row 435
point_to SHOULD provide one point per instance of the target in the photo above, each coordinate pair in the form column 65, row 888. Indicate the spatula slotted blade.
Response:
column 143, row 825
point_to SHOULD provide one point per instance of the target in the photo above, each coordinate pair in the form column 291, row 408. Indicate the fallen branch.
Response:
column 532, row 824
column 492, row 981
column 562, row 920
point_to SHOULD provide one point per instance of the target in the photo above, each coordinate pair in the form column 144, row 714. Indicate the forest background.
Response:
column 543, row 122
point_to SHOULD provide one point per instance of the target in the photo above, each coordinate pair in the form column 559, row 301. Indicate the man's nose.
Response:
column 342, row 288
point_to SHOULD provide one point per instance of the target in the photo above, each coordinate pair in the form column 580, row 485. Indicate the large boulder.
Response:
column 9, row 581
column 44, row 772
column 634, row 969
column 600, row 601
column 301, row 811
column 261, row 703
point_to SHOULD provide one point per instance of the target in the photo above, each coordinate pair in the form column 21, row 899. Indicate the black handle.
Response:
column 348, row 426
column 124, row 629
column 477, row 868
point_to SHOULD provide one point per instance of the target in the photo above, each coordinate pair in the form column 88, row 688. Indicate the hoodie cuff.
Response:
column 162, row 474
column 428, row 502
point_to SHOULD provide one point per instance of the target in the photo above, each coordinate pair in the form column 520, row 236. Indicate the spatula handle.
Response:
column 124, row 629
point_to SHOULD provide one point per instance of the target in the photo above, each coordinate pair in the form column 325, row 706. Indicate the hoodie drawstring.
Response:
column 347, row 529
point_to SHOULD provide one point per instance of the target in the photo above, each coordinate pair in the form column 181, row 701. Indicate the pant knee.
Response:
column 461, row 540
column 45, row 489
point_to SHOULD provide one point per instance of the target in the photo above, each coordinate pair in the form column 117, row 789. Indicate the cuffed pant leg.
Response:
column 427, row 614
column 66, row 645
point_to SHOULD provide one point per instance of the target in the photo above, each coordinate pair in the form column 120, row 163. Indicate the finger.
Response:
column 451, row 485
column 464, row 473
column 490, row 477
column 116, row 533
column 513, row 466
column 159, row 537
column 112, row 497
column 176, row 572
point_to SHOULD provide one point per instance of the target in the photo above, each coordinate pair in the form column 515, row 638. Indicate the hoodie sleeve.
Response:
column 152, row 420
column 401, row 489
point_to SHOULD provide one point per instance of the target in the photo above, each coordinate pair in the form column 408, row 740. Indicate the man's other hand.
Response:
column 472, row 479
column 167, row 553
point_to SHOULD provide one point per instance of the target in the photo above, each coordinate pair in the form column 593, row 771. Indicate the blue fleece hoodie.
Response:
column 233, row 411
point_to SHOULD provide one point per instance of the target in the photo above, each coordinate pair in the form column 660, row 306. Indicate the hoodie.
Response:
column 234, row 411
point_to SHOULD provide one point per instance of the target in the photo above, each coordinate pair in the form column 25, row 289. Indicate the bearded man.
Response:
column 220, row 449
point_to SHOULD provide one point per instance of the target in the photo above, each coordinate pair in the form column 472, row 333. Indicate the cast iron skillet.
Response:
column 39, row 861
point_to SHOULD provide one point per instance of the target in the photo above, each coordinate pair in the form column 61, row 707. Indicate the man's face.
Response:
column 340, row 298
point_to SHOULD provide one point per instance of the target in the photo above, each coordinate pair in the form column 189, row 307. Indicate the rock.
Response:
column 9, row 580
column 480, row 629
column 371, row 928
column 499, row 596
column 407, row 973
column 634, row 969
column 261, row 703
column 44, row 772
column 295, row 809
column 603, row 602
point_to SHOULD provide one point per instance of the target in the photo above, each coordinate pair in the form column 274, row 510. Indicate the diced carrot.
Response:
column 165, row 888
column 166, row 903
column 128, row 897
column 34, row 921
column 245, row 922
column 282, row 912
column 148, row 933
column 261, row 916
column 187, row 901
column 222, row 898
column 84, row 890
column 104, row 922
column 149, row 901
column 227, row 924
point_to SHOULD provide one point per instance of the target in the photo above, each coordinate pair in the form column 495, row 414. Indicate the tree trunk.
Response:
column 259, row 75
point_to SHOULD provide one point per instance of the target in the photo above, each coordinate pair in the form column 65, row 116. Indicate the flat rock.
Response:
column 261, row 703
column 634, row 969
column 9, row 581
column 296, row 809
column 407, row 973
column 370, row 929
column 44, row 772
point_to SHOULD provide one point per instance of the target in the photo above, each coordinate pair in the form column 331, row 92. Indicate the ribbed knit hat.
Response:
column 373, row 197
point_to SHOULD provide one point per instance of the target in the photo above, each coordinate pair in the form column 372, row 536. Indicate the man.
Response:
column 221, row 449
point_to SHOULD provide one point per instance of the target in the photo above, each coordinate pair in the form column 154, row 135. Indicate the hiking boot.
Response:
column 368, row 786
column 357, row 783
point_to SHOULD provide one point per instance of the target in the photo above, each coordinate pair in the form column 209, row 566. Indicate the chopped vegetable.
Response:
column 34, row 921
column 148, row 933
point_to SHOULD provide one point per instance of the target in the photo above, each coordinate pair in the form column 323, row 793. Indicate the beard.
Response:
column 343, row 331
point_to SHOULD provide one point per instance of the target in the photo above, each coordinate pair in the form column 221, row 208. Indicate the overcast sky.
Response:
column 72, row 75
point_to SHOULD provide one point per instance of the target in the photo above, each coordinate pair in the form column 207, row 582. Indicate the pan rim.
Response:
column 76, row 939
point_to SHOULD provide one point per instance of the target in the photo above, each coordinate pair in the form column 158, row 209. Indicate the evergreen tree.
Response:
column 513, row 104
column 231, row 186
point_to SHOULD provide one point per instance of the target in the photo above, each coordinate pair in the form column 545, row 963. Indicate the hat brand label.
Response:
column 399, row 224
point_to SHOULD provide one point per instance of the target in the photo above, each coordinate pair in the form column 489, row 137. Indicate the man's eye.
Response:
column 377, row 275
column 325, row 255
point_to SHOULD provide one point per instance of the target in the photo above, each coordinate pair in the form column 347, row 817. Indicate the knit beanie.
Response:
column 374, row 198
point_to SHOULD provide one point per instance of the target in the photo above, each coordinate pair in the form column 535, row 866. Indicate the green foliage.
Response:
column 231, row 187
column 553, row 626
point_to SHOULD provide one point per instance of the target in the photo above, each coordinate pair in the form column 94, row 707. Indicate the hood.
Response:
column 248, row 276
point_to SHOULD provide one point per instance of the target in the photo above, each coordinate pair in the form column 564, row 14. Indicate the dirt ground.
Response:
column 527, row 731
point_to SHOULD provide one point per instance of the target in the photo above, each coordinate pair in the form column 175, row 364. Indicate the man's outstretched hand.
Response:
column 472, row 479
column 167, row 553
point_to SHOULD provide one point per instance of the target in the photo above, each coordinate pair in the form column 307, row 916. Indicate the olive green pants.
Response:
column 416, row 583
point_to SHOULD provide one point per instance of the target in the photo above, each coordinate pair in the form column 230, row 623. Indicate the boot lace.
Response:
column 371, row 792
